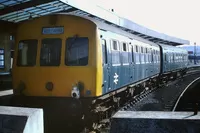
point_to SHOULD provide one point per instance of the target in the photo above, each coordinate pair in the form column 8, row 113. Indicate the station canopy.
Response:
column 16, row 11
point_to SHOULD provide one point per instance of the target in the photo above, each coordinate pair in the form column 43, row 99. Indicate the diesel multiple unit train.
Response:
column 78, row 65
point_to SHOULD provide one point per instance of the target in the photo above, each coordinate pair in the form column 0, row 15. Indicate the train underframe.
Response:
column 92, row 112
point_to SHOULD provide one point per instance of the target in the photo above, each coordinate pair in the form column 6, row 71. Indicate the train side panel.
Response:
column 174, row 59
column 126, row 61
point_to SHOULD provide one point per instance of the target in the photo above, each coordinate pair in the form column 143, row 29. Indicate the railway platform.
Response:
column 189, row 99
column 155, row 122
column 156, row 112
column 21, row 120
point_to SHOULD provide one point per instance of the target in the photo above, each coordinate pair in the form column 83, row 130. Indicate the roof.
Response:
column 172, row 48
column 20, row 10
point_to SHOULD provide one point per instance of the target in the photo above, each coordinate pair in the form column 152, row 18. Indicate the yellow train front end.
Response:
column 57, row 62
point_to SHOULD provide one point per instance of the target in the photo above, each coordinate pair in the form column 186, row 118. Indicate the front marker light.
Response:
column 75, row 92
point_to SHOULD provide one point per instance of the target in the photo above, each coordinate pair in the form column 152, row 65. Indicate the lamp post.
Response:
column 195, row 53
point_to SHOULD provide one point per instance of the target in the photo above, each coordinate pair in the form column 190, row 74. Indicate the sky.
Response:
column 178, row 18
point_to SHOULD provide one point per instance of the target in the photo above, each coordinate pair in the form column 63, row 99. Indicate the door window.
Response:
column 104, row 51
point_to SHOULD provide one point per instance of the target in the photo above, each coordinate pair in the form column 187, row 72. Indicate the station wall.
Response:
column 7, row 31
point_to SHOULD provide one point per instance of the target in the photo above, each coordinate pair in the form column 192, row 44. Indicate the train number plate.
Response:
column 52, row 30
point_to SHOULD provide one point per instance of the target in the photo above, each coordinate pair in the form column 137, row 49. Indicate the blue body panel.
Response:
column 124, row 64
column 173, row 58
column 127, row 61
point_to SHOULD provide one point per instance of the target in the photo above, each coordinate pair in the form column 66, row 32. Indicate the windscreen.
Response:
column 27, row 51
column 76, row 51
column 50, row 52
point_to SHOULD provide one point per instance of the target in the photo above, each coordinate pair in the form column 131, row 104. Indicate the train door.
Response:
column 152, row 62
column 131, row 64
column 106, row 67
column 115, row 65
column 125, row 74
column 168, row 61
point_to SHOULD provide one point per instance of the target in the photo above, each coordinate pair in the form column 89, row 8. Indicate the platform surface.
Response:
column 155, row 122
column 155, row 115
column 21, row 120
column 6, row 92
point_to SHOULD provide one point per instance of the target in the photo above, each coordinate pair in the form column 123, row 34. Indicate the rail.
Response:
column 183, row 97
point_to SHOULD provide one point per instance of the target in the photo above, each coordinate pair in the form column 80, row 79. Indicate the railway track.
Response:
column 130, row 105
column 189, row 98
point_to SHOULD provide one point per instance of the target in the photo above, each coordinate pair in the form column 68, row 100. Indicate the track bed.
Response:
column 164, row 98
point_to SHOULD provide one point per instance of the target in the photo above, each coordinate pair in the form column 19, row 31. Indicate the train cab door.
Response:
column 106, row 67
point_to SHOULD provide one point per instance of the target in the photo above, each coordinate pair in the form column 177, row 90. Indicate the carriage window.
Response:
column 136, row 48
column 114, row 45
column 154, row 52
column 124, row 47
column 165, row 57
column 173, row 57
column 152, row 56
column 142, row 50
column 50, row 52
column 146, row 50
column 27, row 50
column 77, row 51
column 132, row 53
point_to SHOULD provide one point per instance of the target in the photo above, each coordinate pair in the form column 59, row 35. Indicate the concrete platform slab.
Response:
column 21, row 120
column 155, row 122
column 6, row 92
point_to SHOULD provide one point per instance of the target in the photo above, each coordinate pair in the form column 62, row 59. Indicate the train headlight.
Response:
column 75, row 92
column 49, row 86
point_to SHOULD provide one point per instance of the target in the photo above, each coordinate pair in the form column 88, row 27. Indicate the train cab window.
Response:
column 77, row 51
column 27, row 51
column 124, row 46
column 50, row 52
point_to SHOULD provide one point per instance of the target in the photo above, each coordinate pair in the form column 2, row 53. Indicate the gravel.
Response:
column 164, row 98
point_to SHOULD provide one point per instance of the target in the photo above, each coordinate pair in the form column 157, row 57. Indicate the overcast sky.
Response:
column 179, row 18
